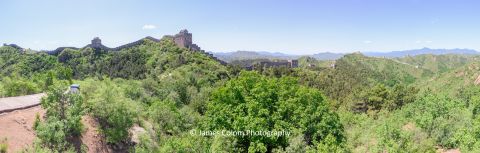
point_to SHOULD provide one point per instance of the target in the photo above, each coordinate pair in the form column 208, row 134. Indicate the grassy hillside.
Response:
column 353, row 104
column 451, row 72
column 438, row 63
column 455, row 80
column 355, row 72
column 307, row 61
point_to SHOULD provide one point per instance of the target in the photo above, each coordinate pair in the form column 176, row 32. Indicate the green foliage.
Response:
column 18, row 86
column 383, row 98
column 37, row 121
column 117, row 124
column 64, row 73
column 254, row 102
column 167, row 117
column 115, row 112
column 354, row 73
column 48, row 80
column 128, row 63
column 81, row 62
column 146, row 145
column 447, row 120
column 438, row 63
column 174, row 91
column 3, row 146
column 452, row 81
column 185, row 143
column 63, row 119
column 296, row 144
column 9, row 57
column 224, row 144
column 52, row 134
column 401, row 95
column 313, row 64
column 329, row 144
column 374, row 99
column 395, row 137
column 35, row 63
column 36, row 147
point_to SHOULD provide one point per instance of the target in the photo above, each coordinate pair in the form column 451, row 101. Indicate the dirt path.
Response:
column 16, row 127
column 91, row 138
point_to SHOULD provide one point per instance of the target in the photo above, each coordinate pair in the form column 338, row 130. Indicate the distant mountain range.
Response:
column 327, row 56
column 421, row 51
column 244, row 55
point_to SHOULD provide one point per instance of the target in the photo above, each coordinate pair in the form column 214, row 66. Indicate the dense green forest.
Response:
column 423, row 103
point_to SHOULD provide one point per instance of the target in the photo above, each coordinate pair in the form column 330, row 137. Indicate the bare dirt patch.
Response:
column 17, row 127
column 92, row 138
column 449, row 150
column 477, row 81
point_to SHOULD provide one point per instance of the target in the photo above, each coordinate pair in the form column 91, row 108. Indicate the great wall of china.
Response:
column 182, row 39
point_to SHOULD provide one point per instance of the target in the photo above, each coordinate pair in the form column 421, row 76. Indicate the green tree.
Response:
column 115, row 112
column 257, row 103
column 64, row 73
column 18, row 86
column 372, row 100
column 48, row 80
column 401, row 95
column 63, row 118
column 381, row 97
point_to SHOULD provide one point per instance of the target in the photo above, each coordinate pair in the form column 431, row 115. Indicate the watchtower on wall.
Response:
column 183, row 39
column 96, row 43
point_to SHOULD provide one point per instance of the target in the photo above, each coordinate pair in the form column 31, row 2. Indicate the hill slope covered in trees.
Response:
column 182, row 99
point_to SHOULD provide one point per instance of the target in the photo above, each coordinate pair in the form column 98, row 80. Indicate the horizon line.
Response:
column 257, row 51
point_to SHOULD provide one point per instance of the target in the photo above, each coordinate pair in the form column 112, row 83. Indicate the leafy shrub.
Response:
column 146, row 144
column 3, row 146
column 185, row 143
column 115, row 112
column 37, row 121
column 63, row 119
column 397, row 136
column 36, row 63
column 381, row 97
column 18, row 87
column 52, row 134
column 254, row 102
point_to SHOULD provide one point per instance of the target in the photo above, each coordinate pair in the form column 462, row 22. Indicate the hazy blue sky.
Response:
column 295, row 26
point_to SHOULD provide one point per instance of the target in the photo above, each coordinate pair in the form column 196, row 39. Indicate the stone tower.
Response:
column 183, row 39
column 96, row 43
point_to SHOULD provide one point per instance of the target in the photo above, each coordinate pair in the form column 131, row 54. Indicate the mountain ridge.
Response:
column 421, row 51
column 242, row 55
